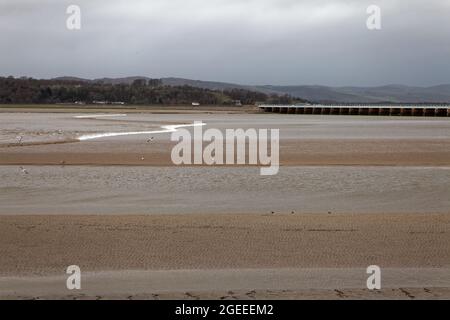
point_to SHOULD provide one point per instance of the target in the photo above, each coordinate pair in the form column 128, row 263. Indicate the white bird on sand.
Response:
column 142, row 158
column 20, row 139
column 25, row 171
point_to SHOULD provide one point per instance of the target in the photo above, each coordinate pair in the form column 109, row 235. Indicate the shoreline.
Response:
column 133, row 109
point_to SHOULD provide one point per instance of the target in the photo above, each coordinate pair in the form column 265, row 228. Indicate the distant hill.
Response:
column 205, row 84
column 321, row 94
column 130, row 90
column 126, row 80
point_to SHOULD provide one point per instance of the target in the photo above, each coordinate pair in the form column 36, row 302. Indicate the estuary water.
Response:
column 173, row 190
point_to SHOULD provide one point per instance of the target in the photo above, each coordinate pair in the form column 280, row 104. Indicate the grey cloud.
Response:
column 253, row 41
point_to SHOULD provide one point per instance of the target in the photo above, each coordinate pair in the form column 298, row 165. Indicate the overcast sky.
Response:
column 247, row 41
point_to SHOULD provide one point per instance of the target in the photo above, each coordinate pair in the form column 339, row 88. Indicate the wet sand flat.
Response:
column 351, row 192
column 216, row 256
column 348, row 152
column 51, row 138
column 121, row 190
column 232, row 284
column 45, row 245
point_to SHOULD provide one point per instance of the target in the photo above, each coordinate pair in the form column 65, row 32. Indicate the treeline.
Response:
column 140, row 92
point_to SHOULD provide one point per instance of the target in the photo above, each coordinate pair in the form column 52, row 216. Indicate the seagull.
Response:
column 25, row 171
column 142, row 158
column 151, row 139
column 20, row 139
